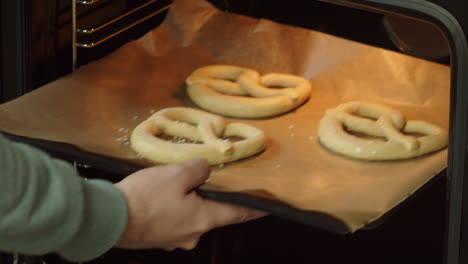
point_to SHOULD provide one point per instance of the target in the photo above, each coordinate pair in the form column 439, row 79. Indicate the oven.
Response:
column 43, row 41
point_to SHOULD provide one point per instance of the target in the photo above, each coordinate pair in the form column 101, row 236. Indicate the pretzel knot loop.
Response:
column 242, row 92
column 203, row 135
column 379, row 133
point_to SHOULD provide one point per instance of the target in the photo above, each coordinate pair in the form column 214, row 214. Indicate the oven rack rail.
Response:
column 77, row 31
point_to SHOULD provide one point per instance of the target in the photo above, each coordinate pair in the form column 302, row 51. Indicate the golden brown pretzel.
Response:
column 197, row 126
column 390, row 128
column 242, row 92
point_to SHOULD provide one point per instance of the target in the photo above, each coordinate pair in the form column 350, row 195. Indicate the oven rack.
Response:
column 78, row 31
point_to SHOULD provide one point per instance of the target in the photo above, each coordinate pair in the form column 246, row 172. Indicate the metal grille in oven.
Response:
column 89, row 37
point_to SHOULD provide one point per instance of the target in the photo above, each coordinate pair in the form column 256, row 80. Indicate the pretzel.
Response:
column 241, row 92
column 386, row 137
column 204, row 132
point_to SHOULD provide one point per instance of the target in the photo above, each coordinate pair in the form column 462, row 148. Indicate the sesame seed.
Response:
column 311, row 138
column 290, row 127
column 357, row 150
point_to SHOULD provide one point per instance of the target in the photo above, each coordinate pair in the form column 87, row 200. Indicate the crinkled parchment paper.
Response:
column 97, row 106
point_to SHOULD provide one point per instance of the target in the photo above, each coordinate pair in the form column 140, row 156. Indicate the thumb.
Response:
column 226, row 214
column 194, row 173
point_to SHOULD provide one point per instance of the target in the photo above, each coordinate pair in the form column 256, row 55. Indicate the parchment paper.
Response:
column 97, row 106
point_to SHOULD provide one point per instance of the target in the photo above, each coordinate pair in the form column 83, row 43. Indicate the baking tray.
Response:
column 119, row 169
column 99, row 99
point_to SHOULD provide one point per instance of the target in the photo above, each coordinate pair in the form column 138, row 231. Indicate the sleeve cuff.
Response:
column 104, row 220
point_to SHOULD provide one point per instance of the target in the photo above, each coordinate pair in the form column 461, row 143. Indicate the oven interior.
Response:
column 415, row 232
column 137, row 17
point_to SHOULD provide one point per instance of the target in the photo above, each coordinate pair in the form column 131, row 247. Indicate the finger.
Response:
column 169, row 249
column 187, row 243
column 223, row 214
column 195, row 173
column 190, row 244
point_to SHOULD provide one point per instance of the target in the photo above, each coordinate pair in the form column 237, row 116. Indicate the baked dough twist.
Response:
column 389, row 128
column 241, row 92
column 196, row 126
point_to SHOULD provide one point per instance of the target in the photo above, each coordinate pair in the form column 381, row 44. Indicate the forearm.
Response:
column 46, row 207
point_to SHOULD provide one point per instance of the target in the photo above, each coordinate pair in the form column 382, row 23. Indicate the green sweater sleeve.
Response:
column 45, row 207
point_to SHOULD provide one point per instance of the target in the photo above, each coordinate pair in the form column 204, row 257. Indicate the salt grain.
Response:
column 123, row 138
column 311, row 138
column 135, row 117
column 122, row 129
column 277, row 166
column 293, row 135
column 221, row 165
column 290, row 127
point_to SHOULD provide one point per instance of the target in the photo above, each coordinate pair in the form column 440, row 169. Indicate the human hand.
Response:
column 165, row 212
